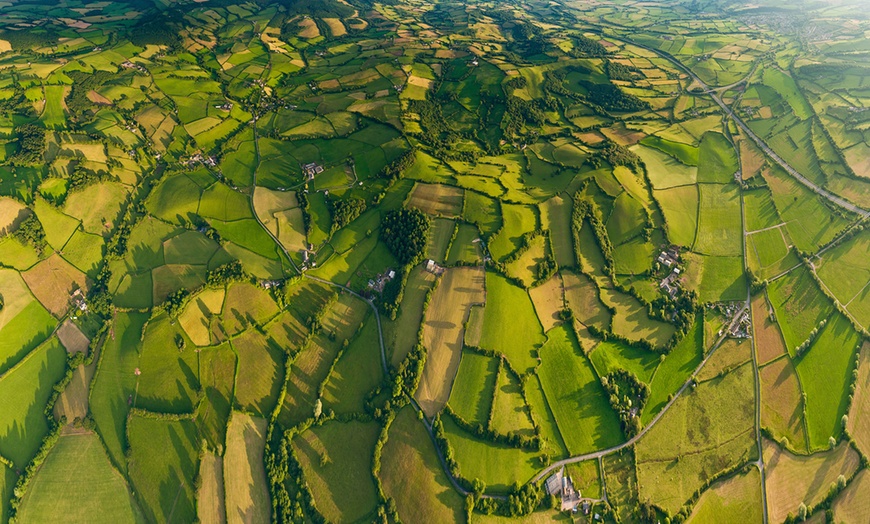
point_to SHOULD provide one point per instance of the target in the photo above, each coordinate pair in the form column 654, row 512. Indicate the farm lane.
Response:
column 604, row 452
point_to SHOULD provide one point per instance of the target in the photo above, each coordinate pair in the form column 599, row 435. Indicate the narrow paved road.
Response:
column 604, row 452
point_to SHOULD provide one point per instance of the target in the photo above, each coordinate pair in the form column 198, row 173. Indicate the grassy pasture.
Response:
column 732, row 353
column 620, row 477
column 439, row 237
column 509, row 410
column 825, row 374
column 799, row 306
column 759, row 209
column 472, row 392
column 497, row 465
column 716, row 278
column 792, row 479
column 736, row 499
column 245, row 484
column 115, row 383
column 673, row 372
column 717, row 159
column 401, row 335
column 781, row 403
column 574, row 392
column 510, row 325
column 632, row 320
column 339, row 469
column 483, row 211
column 809, row 222
column 169, row 378
column 581, row 295
column 217, row 371
column 518, row 219
column 163, row 465
column 846, row 259
column 357, row 372
column 260, row 372
column 76, row 478
column 706, row 431
column 412, row 475
column 443, row 333
column 664, row 170
column 719, row 223
column 680, row 208
column 556, row 217
column 525, row 267
column 612, row 355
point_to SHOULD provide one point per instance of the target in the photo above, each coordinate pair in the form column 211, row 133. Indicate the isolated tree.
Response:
column 318, row 408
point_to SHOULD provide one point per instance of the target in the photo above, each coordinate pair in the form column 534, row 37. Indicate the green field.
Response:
column 719, row 223
column 510, row 325
column 76, row 478
column 582, row 410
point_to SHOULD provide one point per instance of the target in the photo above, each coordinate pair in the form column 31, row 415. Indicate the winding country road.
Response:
column 604, row 452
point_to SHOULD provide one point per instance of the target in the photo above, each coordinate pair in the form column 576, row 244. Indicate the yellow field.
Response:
column 437, row 199
column 768, row 339
column 308, row 28
column 11, row 214
column 548, row 300
column 52, row 281
column 74, row 401
column 737, row 499
column 335, row 27
column 442, row 333
column 195, row 319
column 247, row 492
column 525, row 267
column 853, row 505
column 793, row 479
column 781, row 408
column 859, row 414
column 210, row 496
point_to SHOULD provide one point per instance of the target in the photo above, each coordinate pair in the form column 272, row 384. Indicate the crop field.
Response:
column 412, row 475
column 210, row 502
column 510, row 325
column 579, row 403
column 782, row 409
column 737, row 499
column 706, row 431
column 459, row 289
column 859, row 414
column 793, row 479
column 55, row 496
column 582, row 297
column 244, row 474
column 437, row 199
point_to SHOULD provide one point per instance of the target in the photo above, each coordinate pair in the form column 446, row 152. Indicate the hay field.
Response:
column 442, row 333
column 52, row 281
column 853, row 505
column 548, row 301
column 210, row 504
column 792, row 479
column 12, row 213
column 781, row 404
column 736, row 499
column 245, row 485
column 72, row 337
column 859, row 414
column 437, row 199
column 196, row 317
column 768, row 339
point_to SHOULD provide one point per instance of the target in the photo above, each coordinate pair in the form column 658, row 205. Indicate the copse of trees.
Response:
column 81, row 177
column 617, row 71
column 31, row 232
column 344, row 211
column 616, row 155
column 31, row 144
column 584, row 46
column 627, row 396
column 612, row 98
column 406, row 233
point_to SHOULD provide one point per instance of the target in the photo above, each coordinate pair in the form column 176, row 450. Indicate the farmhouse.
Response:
column 312, row 169
column 561, row 485
column 434, row 268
